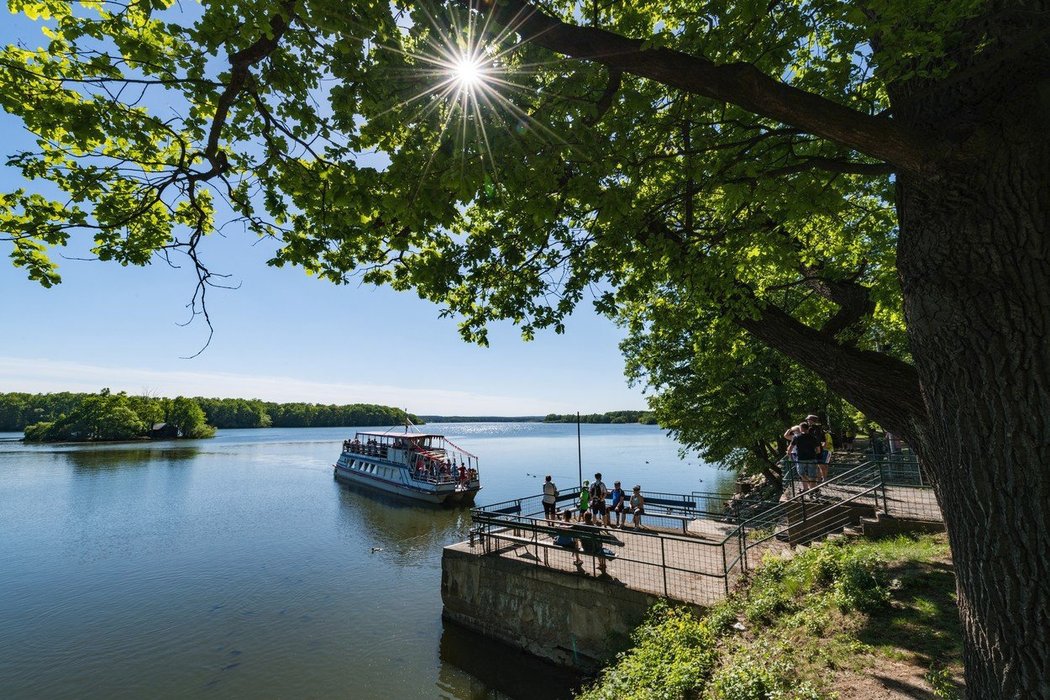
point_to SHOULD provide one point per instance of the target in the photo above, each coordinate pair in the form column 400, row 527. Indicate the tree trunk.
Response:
column 974, row 263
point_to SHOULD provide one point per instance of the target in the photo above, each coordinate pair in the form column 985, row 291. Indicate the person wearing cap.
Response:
column 619, row 503
column 637, row 506
column 585, row 497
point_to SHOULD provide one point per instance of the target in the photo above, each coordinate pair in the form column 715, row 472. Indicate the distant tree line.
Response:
column 252, row 413
column 483, row 419
column 109, row 416
column 645, row 417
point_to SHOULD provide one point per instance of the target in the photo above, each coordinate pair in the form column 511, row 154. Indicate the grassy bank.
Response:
column 865, row 619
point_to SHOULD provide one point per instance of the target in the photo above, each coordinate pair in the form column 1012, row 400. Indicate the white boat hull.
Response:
column 393, row 478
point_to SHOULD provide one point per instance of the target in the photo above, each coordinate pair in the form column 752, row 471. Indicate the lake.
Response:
column 237, row 567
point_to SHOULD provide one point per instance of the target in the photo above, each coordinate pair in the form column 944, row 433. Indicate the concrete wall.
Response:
column 571, row 619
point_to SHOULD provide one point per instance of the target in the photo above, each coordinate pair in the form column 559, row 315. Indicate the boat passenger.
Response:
column 462, row 474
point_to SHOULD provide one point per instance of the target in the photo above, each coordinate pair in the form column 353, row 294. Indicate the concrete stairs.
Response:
column 879, row 524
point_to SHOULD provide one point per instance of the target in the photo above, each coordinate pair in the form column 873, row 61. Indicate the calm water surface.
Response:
column 237, row 567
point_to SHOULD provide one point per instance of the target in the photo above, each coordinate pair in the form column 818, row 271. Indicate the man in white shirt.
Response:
column 550, row 498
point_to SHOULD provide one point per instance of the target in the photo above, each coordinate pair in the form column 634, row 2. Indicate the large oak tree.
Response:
column 529, row 154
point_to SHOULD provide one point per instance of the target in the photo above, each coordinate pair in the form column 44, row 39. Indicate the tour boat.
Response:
column 421, row 466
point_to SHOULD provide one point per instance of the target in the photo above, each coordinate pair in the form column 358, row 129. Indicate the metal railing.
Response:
column 890, row 485
column 702, row 563
column 694, row 565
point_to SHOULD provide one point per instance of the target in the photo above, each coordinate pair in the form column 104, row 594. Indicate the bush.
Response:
column 858, row 586
column 749, row 678
column 38, row 432
column 673, row 657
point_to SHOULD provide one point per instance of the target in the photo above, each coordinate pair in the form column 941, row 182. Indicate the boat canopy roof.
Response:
column 423, row 439
column 400, row 434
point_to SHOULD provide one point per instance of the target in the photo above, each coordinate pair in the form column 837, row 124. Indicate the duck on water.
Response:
column 421, row 466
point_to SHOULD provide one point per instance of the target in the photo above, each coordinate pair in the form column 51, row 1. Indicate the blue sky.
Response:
column 282, row 335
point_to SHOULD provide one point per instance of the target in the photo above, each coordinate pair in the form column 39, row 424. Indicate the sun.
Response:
column 468, row 72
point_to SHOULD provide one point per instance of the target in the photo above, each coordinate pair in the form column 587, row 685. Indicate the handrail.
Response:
column 513, row 527
column 867, row 475
column 816, row 512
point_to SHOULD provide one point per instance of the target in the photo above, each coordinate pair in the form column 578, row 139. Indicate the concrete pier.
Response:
column 573, row 619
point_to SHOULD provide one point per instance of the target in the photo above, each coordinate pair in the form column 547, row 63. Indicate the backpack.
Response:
column 598, row 491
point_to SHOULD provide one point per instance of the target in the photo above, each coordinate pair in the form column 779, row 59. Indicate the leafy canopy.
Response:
column 339, row 130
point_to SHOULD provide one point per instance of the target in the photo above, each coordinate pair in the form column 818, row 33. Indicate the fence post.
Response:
column 742, row 540
column 663, row 563
column 725, row 568
column 882, row 485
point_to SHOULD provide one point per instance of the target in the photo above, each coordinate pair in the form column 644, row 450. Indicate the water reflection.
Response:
column 409, row 530
column 239, row 568
column 98, row 458
column 499, row 670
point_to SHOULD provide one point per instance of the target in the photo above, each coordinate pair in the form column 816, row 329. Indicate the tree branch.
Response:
column 881, row 386
column 741, row 84
column 831, row 165
column 853, row 299
column 240, row 67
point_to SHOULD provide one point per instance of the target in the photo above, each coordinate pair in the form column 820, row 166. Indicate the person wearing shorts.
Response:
column 550, row 499
column 807, row 451
column 598, row 493
column 619, row 503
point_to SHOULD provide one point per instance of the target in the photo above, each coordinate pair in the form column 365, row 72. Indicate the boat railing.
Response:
column 366, row 450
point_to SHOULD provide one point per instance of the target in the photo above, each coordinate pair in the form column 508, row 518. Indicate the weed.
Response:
column 941, row 682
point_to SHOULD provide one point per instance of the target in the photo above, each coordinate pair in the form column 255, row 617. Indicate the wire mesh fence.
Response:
column 666, row 556
column 687, row 547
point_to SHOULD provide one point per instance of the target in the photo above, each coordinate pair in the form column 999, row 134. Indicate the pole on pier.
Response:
column 579, row 449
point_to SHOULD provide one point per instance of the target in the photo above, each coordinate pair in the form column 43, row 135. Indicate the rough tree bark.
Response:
column 974, row 261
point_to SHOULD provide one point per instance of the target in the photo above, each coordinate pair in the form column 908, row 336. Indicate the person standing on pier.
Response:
column 598, row 495
column 619, row 499
column 550, row 498
column 585, row 498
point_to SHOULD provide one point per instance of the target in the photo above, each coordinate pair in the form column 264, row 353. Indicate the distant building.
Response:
column 163, row 431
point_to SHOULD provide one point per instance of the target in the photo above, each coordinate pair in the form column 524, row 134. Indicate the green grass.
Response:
column 836, row 607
